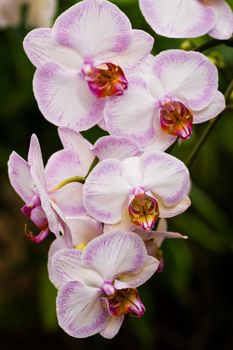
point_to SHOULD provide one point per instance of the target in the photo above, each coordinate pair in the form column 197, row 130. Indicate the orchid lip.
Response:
column 106, row 79
column 124, row 301
column 143, row 210
column 176, row 119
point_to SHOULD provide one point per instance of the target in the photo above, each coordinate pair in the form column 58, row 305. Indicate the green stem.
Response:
column 93, row 164
column 212, row 43
column 209, row 129
column 80, row 179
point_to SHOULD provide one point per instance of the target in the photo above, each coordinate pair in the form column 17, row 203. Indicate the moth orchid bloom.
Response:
column 94, row 296
column 137, row 190
column 188, row 18
column 39, row 12
column 82, row 230
column 83, row 59
column 154, row 239
column 174, row 91
column 46, row 204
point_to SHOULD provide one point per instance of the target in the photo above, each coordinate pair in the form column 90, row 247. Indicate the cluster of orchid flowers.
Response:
column 107, row 203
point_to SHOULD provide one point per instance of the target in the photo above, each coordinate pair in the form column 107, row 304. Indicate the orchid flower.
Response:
column 94, row 296
column 174, row 90
column 46, row 204
column 83, row 59
column 39, row 12
column 189, row 18
column 137, row 190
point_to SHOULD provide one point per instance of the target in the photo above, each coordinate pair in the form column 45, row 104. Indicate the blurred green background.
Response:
column 189, row 305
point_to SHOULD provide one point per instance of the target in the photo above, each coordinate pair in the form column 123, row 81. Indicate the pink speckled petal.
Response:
column 58, row 244
column 83, row 229
column 64, row 98
column 79, row 310
column 171, row 211
column 67, row 266
column 166, row 177
column 75, row 141
column 138, row 50
column 137, row 279
column 105, row 192
column 93, row 26
column 158, row 236
column 178, row 19
column 131, row 115
column 20, row 177
column 112, row 327
column 188, row 77
column 215, row 107
column 41, row 48
column 61, row 166
column 124, row 252
column 223, row 28
column 37, row 172
column 125, row 224
column 115, row 147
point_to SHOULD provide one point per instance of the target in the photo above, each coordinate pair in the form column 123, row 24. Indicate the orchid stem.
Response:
column 212, row 43
column 80, row 179
column 93, row 164
column 209, row 129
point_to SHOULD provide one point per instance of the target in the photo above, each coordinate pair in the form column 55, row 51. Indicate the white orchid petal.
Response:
column 223, row 28
column 165, row 176
column 100, row 25
column 137, row 279
column 187, row 76
column 105, row 192
column 112, row 327
column 79, row 310
column 41, row 48
column 124, row 252
column 178, row 19
column 65, row 99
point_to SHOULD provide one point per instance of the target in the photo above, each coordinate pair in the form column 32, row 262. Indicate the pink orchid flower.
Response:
column 94, row 296
column 189, row 18
column 137, row 190
column 174, row 90
column 46, row 204
column 83, row 59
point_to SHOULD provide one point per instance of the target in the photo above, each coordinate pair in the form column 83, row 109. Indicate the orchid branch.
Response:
column 80, row 179
column 209, row 128
column 212, row 43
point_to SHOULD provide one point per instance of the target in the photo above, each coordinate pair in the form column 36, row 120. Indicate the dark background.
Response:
column 189, row 305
